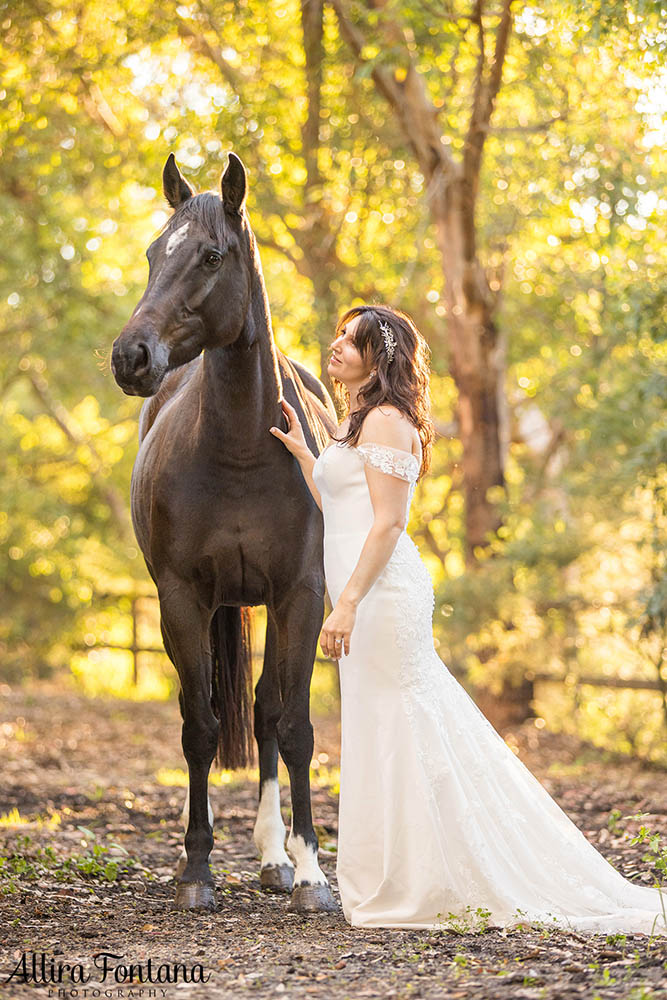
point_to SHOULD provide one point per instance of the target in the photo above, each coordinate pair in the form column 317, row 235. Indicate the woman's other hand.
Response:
column 337, row 629
column 293, row 439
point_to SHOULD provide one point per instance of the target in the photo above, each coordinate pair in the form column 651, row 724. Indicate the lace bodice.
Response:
column 340, row 477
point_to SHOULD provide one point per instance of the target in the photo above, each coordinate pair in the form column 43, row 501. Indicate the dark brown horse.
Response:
column 225, row 520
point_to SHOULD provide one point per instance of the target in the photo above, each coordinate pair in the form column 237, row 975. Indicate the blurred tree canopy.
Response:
column 344, row 114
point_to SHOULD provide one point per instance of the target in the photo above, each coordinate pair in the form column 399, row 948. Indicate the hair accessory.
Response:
column 389, row 339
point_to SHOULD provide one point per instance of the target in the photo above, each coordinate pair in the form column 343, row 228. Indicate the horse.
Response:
column 225, row 522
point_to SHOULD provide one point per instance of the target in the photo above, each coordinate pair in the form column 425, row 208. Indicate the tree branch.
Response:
column 61, row 417
column 298, row 262
column 561, row 116
column 200, row 45
column 408, row 98
column 558, row 437
column 502, row 41
column 312, row 25
column 484, row 96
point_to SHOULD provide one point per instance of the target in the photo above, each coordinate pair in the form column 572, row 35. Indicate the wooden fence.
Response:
column 136, row 649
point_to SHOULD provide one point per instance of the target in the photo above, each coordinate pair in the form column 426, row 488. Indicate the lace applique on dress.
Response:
column 393, row 461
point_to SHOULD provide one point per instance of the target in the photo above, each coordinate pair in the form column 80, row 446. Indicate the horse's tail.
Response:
column 232, row 685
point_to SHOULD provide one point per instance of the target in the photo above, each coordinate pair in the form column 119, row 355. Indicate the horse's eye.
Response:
column 213, row 258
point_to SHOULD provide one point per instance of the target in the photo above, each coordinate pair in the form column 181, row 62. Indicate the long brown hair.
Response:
column 403, row 381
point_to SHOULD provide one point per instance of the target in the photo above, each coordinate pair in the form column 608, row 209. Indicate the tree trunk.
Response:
column 477, row 409
column 476, row 363
column 475, row 356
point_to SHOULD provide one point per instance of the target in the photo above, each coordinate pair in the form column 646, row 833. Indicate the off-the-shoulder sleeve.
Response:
column 393, row 461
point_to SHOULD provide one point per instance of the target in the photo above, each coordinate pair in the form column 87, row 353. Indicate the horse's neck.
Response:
column 242, row 388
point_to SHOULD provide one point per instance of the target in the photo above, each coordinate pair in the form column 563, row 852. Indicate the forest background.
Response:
column 496, row 170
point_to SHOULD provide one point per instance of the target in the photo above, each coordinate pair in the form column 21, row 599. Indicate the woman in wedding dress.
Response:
column 438, row 818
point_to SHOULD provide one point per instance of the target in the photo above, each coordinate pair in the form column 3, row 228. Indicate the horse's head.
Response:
column 198, row 287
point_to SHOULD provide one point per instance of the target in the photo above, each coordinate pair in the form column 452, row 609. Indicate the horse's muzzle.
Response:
column 136, row 365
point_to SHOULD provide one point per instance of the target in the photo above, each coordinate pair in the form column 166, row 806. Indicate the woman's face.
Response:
column 346, row 363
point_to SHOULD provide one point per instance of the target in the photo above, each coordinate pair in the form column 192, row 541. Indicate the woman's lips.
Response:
column 334, row 361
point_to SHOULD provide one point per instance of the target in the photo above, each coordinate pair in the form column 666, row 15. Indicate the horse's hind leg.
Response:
column 186, row 630
column 299, row 617
column 276, row 869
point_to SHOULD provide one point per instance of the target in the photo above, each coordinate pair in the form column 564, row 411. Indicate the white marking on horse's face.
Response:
column 307, row 868
column 269, row 831
column 176, row 238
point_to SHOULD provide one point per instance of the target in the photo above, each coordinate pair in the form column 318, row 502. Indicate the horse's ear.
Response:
column 176, row 188
column 234, row 185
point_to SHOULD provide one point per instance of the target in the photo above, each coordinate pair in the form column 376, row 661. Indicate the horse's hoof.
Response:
column 277, row 878
column 194, row 896
column 309, row 898
column 181, row 865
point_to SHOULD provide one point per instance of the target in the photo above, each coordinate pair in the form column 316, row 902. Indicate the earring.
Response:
column 374, row 372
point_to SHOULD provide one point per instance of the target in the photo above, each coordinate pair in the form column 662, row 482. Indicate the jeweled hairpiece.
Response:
column 389, row 339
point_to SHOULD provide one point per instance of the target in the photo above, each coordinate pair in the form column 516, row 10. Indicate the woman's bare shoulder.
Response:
column 386, row 424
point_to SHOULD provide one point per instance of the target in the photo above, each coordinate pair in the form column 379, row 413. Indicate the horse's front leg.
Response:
column 185, row 820
column 276, row 869
column 299, row 617
column 186, row 629
column 185, row 813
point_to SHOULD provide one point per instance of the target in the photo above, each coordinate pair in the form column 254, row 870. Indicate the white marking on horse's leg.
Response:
column 176, row 238
column 269, row 831
column 185, row 819
column 307, row 868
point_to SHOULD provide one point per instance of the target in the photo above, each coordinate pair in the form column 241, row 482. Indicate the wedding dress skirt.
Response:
column 438, row 817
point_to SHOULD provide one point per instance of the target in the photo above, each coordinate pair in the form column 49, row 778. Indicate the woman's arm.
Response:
column 295, row 442
column 389, row 497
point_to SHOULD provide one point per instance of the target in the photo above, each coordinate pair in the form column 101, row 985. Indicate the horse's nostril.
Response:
column 142, row 359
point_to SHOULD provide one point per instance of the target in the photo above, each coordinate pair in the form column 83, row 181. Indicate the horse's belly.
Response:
column 245, row 571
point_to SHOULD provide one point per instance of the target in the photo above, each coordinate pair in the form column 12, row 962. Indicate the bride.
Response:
column 438, row 818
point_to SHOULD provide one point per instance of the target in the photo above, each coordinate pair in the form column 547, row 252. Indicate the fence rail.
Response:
column 136, row 649
column 637, row 683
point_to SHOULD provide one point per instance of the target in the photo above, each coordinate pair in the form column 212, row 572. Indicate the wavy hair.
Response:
column 403, row 382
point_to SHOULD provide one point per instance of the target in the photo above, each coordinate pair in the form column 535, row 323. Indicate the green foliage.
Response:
column 28, row 862
column 571, row 228
column 472, row 921
column 656, row 847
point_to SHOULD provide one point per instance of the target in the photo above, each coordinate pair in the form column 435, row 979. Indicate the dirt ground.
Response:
column 90, row 832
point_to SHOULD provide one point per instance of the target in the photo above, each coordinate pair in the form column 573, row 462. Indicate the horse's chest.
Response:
column 238, row 535
column 237, row 547
column 232, row 530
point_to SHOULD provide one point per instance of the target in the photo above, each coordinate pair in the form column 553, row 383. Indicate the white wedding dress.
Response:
column 438, row 817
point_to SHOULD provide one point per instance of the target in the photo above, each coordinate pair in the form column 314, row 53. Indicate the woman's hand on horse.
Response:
column 293, row 439
column 337, row 629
